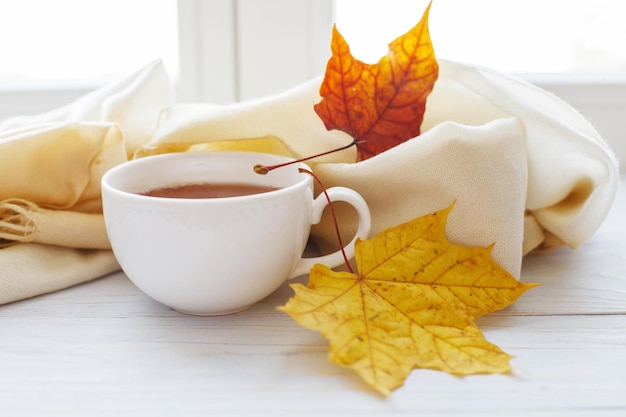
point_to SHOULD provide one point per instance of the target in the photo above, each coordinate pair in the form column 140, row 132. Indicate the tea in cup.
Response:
column 204, row 234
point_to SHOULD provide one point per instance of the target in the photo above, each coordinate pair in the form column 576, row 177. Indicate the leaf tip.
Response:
column 529, row 286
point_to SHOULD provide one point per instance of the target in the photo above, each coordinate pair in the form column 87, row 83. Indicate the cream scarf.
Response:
column 525, row 170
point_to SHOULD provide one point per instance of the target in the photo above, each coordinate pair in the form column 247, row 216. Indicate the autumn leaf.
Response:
column 412, row 305
column 380, row 105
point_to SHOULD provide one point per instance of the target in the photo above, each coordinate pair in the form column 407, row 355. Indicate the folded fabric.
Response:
column 52, row 232
column 525, row 170
column 132, row 103
column 30, row 269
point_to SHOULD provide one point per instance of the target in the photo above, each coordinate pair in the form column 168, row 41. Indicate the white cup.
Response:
column 213, row 256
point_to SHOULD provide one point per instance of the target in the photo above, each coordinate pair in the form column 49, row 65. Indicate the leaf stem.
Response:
column 264, row 169
column 332, row 212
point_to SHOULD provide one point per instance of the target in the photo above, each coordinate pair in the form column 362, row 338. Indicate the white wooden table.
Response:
column 104, row 348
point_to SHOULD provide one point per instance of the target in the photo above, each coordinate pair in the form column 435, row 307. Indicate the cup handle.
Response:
column 319, row 204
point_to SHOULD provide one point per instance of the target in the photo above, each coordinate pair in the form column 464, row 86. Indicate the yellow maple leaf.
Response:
column 412, row 305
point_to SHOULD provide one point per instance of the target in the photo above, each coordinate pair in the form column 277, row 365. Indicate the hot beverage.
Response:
column 209, row 190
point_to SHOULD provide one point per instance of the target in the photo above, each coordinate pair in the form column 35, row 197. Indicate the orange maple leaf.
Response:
column 379, row 105
column 412, row 305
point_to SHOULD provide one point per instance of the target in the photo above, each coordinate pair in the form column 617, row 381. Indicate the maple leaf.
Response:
column 379, row 105
column 412, row 304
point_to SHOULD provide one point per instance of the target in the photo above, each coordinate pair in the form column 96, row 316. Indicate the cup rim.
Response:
column 130, row 164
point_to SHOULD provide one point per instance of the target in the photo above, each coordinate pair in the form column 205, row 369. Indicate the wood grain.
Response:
column 103, row 347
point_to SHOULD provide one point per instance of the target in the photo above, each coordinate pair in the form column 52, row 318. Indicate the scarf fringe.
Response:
column 17, row 221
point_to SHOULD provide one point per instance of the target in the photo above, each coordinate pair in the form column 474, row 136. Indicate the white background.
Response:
column 229, row 50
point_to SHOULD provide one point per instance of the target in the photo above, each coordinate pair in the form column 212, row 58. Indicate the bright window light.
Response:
column 89, row 41
column 526, row 36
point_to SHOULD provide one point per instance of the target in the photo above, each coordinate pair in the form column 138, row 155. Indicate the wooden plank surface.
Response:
column 103, row 347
